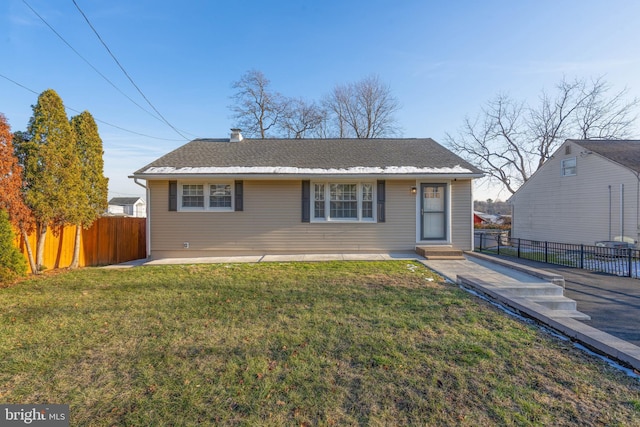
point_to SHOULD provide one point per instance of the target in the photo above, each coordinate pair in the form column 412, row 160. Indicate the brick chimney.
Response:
column 236, row 136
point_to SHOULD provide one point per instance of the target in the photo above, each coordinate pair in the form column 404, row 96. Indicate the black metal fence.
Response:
column 619, row 261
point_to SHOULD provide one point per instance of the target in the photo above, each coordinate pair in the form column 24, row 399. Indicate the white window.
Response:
column 367, row 201
column 318, row 201
column 213, row 196
column 568, row 167
column 220, row 196
column 342, row 201
column 192, row 196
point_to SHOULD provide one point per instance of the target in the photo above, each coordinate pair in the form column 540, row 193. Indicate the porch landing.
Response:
column 439, row 252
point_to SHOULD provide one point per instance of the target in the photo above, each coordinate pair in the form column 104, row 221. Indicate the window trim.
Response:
column 206, row 190
column 327, row 201
column 565, row 170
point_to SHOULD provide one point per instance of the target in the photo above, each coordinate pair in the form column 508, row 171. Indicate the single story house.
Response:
column 127, row 206
column 587, row 192
column 238, row 196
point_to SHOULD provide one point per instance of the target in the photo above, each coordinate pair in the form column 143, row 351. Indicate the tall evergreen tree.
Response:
column 11, row 187
column 92, row 198
column 51, row 167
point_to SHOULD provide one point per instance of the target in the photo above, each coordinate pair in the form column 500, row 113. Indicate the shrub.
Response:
column 12, row 262
column 492, row 226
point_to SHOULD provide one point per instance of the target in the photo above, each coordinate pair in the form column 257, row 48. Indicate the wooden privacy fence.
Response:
column 110, row 240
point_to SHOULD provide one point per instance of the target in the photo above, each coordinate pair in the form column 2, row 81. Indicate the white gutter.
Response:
column 174, row 176
column 148, row 210
column 135, row 179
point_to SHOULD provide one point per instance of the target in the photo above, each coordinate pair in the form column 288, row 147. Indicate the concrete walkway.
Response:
column 273, row 258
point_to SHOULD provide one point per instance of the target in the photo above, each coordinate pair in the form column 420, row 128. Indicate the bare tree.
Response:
column 510, row 140
column 256, row 109
column 302, row 118
column 364, row 109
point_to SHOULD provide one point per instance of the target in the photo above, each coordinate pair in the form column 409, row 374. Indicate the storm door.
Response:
column 433, row 210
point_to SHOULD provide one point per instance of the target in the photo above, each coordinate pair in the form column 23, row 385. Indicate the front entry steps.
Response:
column 534, row 300
column 439, row 252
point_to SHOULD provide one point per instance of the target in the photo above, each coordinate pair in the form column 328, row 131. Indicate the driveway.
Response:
column 612, row 302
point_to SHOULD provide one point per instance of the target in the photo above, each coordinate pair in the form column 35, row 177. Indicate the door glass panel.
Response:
column 433, row 225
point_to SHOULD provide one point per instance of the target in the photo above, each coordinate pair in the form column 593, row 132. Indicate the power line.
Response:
column 125, row 72
column 88, row 63
column 18, row 84
column 96, row 119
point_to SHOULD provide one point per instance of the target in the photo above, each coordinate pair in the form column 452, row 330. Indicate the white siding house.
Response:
column 586, row 192
column 128, row 206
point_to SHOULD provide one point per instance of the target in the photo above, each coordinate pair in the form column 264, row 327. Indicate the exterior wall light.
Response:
column 414, row 190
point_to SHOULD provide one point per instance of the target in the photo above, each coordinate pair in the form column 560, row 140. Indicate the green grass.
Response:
column 342, row 343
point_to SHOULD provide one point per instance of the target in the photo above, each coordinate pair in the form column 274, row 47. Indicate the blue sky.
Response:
column 443, row 60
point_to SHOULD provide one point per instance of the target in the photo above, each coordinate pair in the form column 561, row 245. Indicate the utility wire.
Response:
column 89, row 64
column 125, row 72
column 18, row 84
column 96, row 119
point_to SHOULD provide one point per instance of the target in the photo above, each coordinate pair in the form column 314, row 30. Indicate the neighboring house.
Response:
column 480, row 218
column 586, row 192
column 477, row 219
column 249, row 196
column 128, row 206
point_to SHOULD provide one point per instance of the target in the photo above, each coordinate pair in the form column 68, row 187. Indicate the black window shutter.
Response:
column 239, row 187
column 381, row 201
column 306, row 201
column 173, row 195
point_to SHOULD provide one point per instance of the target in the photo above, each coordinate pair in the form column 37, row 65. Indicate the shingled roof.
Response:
column 121, row 201
column 310, row 156
column 624, row 152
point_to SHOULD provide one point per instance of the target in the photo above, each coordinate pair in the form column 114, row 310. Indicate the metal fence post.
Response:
column 582, row 256
column 629, row 261
column 499, row 238
column 519, row 248
column 546, row 251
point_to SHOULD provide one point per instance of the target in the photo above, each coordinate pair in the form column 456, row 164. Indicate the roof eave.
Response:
column 279, row 176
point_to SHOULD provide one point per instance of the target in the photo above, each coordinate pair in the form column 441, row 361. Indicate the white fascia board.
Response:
column 397, row 172
column 150, row 177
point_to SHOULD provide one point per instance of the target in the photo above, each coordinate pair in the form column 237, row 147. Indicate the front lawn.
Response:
column 341, row 343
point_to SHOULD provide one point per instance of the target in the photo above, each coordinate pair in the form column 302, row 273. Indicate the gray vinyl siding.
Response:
column 462, row 215
column 271, row 223
column 577, row 209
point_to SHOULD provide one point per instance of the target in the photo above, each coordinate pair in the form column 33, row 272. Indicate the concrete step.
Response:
column 573, row 314
column 554, row 302
column 443, row 257
column 558, row 306
column 534, row 290
column 439, row 253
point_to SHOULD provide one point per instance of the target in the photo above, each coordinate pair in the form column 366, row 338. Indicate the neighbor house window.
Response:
column 569, row 167
column 214, row 196
column 351, row 201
